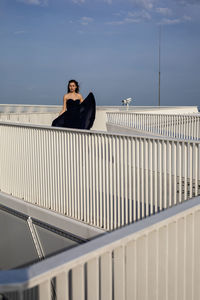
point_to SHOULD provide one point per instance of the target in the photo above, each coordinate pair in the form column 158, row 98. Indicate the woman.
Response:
column 76, row 112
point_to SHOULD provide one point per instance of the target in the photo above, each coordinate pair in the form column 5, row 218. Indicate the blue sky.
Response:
column 109, row 46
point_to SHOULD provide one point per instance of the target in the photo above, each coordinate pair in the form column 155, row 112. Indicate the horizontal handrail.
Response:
column 102, row 132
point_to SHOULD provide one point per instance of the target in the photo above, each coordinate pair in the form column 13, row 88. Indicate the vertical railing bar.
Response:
column 130, row 206
column 142, row 187
column 125, row 179
column 165, row 172
column 155, row 175
column 104, row 183
column 90, row 186
column 79, row 173
column 122, row 174
column 87, row 194
column 146, row 164
column 97, row 179
column 169, row 162
column 174, row 149
column 100, row 140
column 115, row 198
column 138, row 179
column 118, row 182
column 69, row 184
column 65, row 179
column 63, row 166
column 134, row 177
column 111, row 177
column 180, row 169
column 93, row 179
column 74, row 204
column 196, row 164
column 151, row 175
column 185, row 165
column 107, row 183
column 191, row 162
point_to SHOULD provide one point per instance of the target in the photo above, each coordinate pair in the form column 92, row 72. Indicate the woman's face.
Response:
column 72, row 87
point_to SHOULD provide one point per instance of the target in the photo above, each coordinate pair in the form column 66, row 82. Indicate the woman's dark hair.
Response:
column 76, row 83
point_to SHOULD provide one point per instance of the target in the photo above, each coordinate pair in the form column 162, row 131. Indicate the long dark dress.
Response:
column 78, row 115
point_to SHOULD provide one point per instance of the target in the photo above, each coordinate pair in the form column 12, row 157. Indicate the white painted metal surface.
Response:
column 37, row 118
column 182, row 126
column 22, row 108
column 157, row 258
column 105, row 180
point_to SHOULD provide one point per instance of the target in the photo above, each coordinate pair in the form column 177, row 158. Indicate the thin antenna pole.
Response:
column 159, row 48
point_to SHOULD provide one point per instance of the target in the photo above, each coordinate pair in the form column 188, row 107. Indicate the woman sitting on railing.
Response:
column 76, row 112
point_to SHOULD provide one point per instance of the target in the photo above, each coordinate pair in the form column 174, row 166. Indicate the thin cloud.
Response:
column 188, row 2
column 143, row 14
column 34, row 2
column 132, row 17
column 118, row 14
column 19, row 32
column 147, row 4
column 124, row 21
column 115, row 23
column 78, row 1
column 132, row 20
column 163, row 10
column 167, row 21
column 187, row 18
column 86, row 20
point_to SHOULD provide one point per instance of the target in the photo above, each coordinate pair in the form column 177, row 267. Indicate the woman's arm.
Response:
column 64, row 105
column 81, row 98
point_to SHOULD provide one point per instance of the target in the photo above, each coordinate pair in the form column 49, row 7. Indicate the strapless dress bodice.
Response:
column 73, row 104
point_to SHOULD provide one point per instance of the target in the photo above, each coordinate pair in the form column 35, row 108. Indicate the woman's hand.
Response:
column 61, row 112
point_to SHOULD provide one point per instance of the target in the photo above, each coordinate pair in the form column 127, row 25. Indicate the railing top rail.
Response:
column 37, row 107
column 20, row 279
column 190, row 114
column 98, row 132
column 29, row 113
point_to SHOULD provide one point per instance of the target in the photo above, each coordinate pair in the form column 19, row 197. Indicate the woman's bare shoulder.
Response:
column 80, row 96
column 66, row 96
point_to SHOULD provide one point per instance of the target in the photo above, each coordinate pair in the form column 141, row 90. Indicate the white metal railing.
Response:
column 183, row 126
column 105, row 180
column 157, row 258
column 26, row 108
column 38, row 118
column 22, row 108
